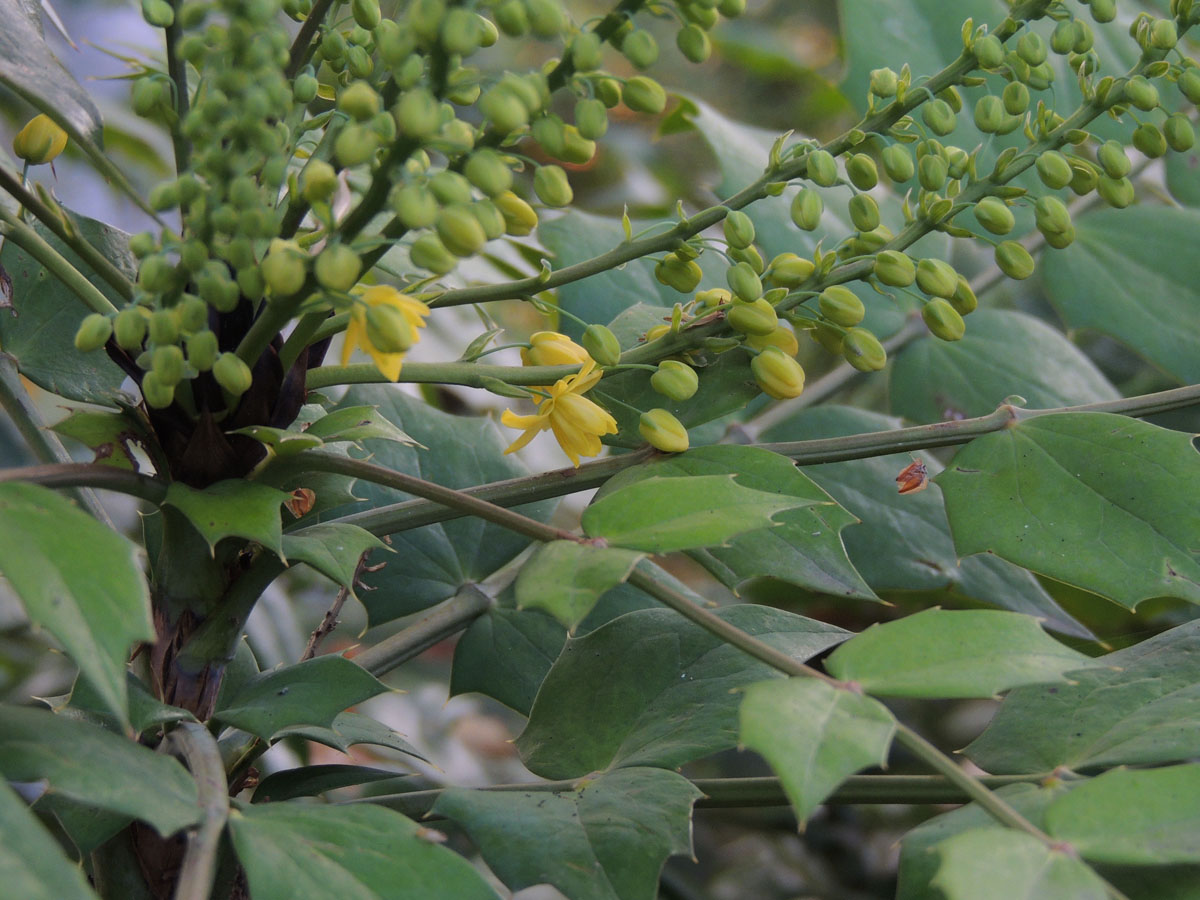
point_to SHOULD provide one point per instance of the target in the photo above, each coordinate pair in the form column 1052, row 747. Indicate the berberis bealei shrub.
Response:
column 369, row 196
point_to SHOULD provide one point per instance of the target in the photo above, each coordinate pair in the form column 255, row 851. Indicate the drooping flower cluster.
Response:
column 577, row 422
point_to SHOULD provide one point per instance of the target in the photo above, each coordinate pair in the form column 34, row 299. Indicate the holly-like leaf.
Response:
column 357, row 423
column 805, row 549
column 651, row 688
column 281, row 441
column 953, row 653
column 1002, row 353
column 1148, row 817
column 313, row 692
column 1000, row 863
column 607, row 840
column 349, row 729
column 309, row 781
column 90, row 594
column 505, row 654
column 362, row 852
column 33, row 865
column 110, row 436
column 333, row 549
column 814, row 735
column 660, row 515
column 145, row 710
column 566, row 578
column 233, row 508
column 96, row 767
column 1100, row 501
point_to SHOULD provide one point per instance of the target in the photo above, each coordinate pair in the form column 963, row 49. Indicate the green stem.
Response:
column 54, row 262
column 53, row 219
column 468, row 374
column 272, row 317
column 445, row 619
column 177, row 71
column 104, row 478
column 302, row 45
column 199, row 750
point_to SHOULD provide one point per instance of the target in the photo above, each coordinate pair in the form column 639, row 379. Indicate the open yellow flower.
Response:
column 576, row 421
column 384, row 323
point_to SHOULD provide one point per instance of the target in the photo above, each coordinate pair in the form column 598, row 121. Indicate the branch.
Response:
column 302, row 45
column 203, row 758
column 54, row 262
column 177, row 71
column 105, row 478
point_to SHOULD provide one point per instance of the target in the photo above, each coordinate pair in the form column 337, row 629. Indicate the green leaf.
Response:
column 805, row 549
column 87, row 826
column 1103, row 502
column 88, row 764
column 110, row 436
column 1133, row 817
column 1003, row 353
column 506, row 654
column 91, row 594
column 313, row 692
column 333, row 549
column 308, row 781
column 41, row 336
column 32, row 866
column 814, row 735
column 661, row 515
column 651, row 688
column 1142, row 253
column 360, row 852
column 1140, row 705
column 944, row 653
column 437, row 560
column 280, row 441
column 566, row 578
column 1000, row 863
column 607, row 840
column 903, row 543
column 145, row 710
column 356, row 423
column 350, row 729
column 232, row 508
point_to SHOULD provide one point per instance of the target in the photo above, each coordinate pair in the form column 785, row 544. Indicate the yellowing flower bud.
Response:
column 549, row 348
column 40, row 141
column 675, row 380
column 758, row 317
column 93, row 332
column 338, row 268
column 841, row 306
column 782, row 337
column 937, row 277
column 863, row 351
column 943, row 320
column 663, row 431
column 778, row 374
column 519, row 217
column 895, row 268
column 789, row 270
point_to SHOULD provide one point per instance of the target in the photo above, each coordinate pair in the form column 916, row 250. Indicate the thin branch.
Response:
column 54, row 262
column 302, row 45
column 330, row 620
column 200, row 752
column 177, row 71
column 105, row 478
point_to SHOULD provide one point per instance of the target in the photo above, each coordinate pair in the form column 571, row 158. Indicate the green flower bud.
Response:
column 806, row 210
column 460, row 231
column 158, row 13
column 1051, row 216
column 1189, row 85
column 748, row 255
column 202, row 350
column 284, row 268
column 163, row 327
column 898, row 163
column 156, row 394
column 1084, row 177
column 232, row 374
column 164, row 196
column 354, row 145
column 744, row 282
column 932, row 172
column 758, row 317
column 552, row 187
column 739, row 230
column 644, row 95
column 1031, row 48
column 366, row 13
column 512, row 18
column 251, row 283
column 388, row 330
column 550, row 132
column 192, row 313
column 143, row 244
column 1179, row 133
column 700, row 15
column 591, row 118
column 694, row 43
column 503, row 109
column 490, row 219
column 1141, row 93
column 608, row 91
column 417, row 114
column 546, row 18
column 640, row 48
column 1113, row 160
column 957, row 161
column 789, row 270
column 601, row 345
column 989, row 51
column 428, row 252
column 129, row 328
column 681, row 274
column 828, row 336
column 519, row 217
column 822, row 168
column 193, row 254
column 841, row 306
column 1163, row 34
column 861, row 171
column 1103, row 10
column 217, row 288
column 994, row 215
column 425, row 17
column 1062, row 41
column 1015, row 98
column 167, row 364
column 777, row 374
column 450, row 187
column 863, row 351
column 943, row 321
column 359, row 101
column 714, row 297
column 989, row 114
column 586, row 51
column 884, row 83
column 895, row 268
column 333, row 45
column 1149, row 141
column 864, row 212
column 94, row 331
column 1014, row 260
column 1054, row 170
column 576, row 148
column 937, row 277
column 675, row 380
column 414, row 205
column 156, row 275
column 1117, row 192
column 462, row 32
column 1084, row 38
column 663, row 431
column 1060, row 239
column 939, row 117
column 964, row 300
column 338, row 267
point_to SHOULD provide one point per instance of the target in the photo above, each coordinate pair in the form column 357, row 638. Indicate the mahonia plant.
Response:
column 347, row 175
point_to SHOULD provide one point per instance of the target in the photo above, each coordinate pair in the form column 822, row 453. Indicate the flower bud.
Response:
column 895, row 268
column 460, row 231
column 861, row 171
column 694, row 43
column 864, row 212
column 822, row 168
column 586, row 51
column 841, row 306
column 1062, row 40
column 462, row 32
column 884, row 83
column 827, row 336
column 681, row 274
column 1189, row 85
column 1015, row 98
column 806, row 209
column 863, row 351
column 898, row 163
column 640, row 48
column 552, row 187
column 167, row 364
column 989, row 51
column 1032, row 48
column 338, row 267
column 645, row 95
column 939, row 117
column 750, row 256
column 417, row 114
column 964, row 300
column 202, row 350
column 355, row 145
column 758, row 317
column 601, row 345
column 1141, row 93
column 284, row 268
column 1103, row 10
column 932, row 172
column 777, row 374
column 359, row 101
column 549, row 348
column 1054, row 170
column 40, row 141
column 663, row 431
column 232, row 374
column 93, row 332
column 675, row 380
column 789, row 270
column 1113, row 160
column 989, row 114
column 744, row 282
column 1179, row 133
column 1051, row 216
column 428, row 252
column 739, row 230
column 783, row 337
column 388, row 330
column 1014, row 260
column 156, row 394
column 942, row 320
column 591, row 118
column 503, row 109
column 129, row 328
column 1116, row 192
column 1149, row 141
column 937, row 278
column 1084, row 177
column 366, row 13
column 519, row 217
column 512, row 18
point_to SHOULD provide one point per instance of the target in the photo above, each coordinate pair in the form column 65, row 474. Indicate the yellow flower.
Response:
column 549, row 348
column 384, row 323
column 576, row 421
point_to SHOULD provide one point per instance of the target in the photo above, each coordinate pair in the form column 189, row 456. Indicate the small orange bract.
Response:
column 913, row 477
